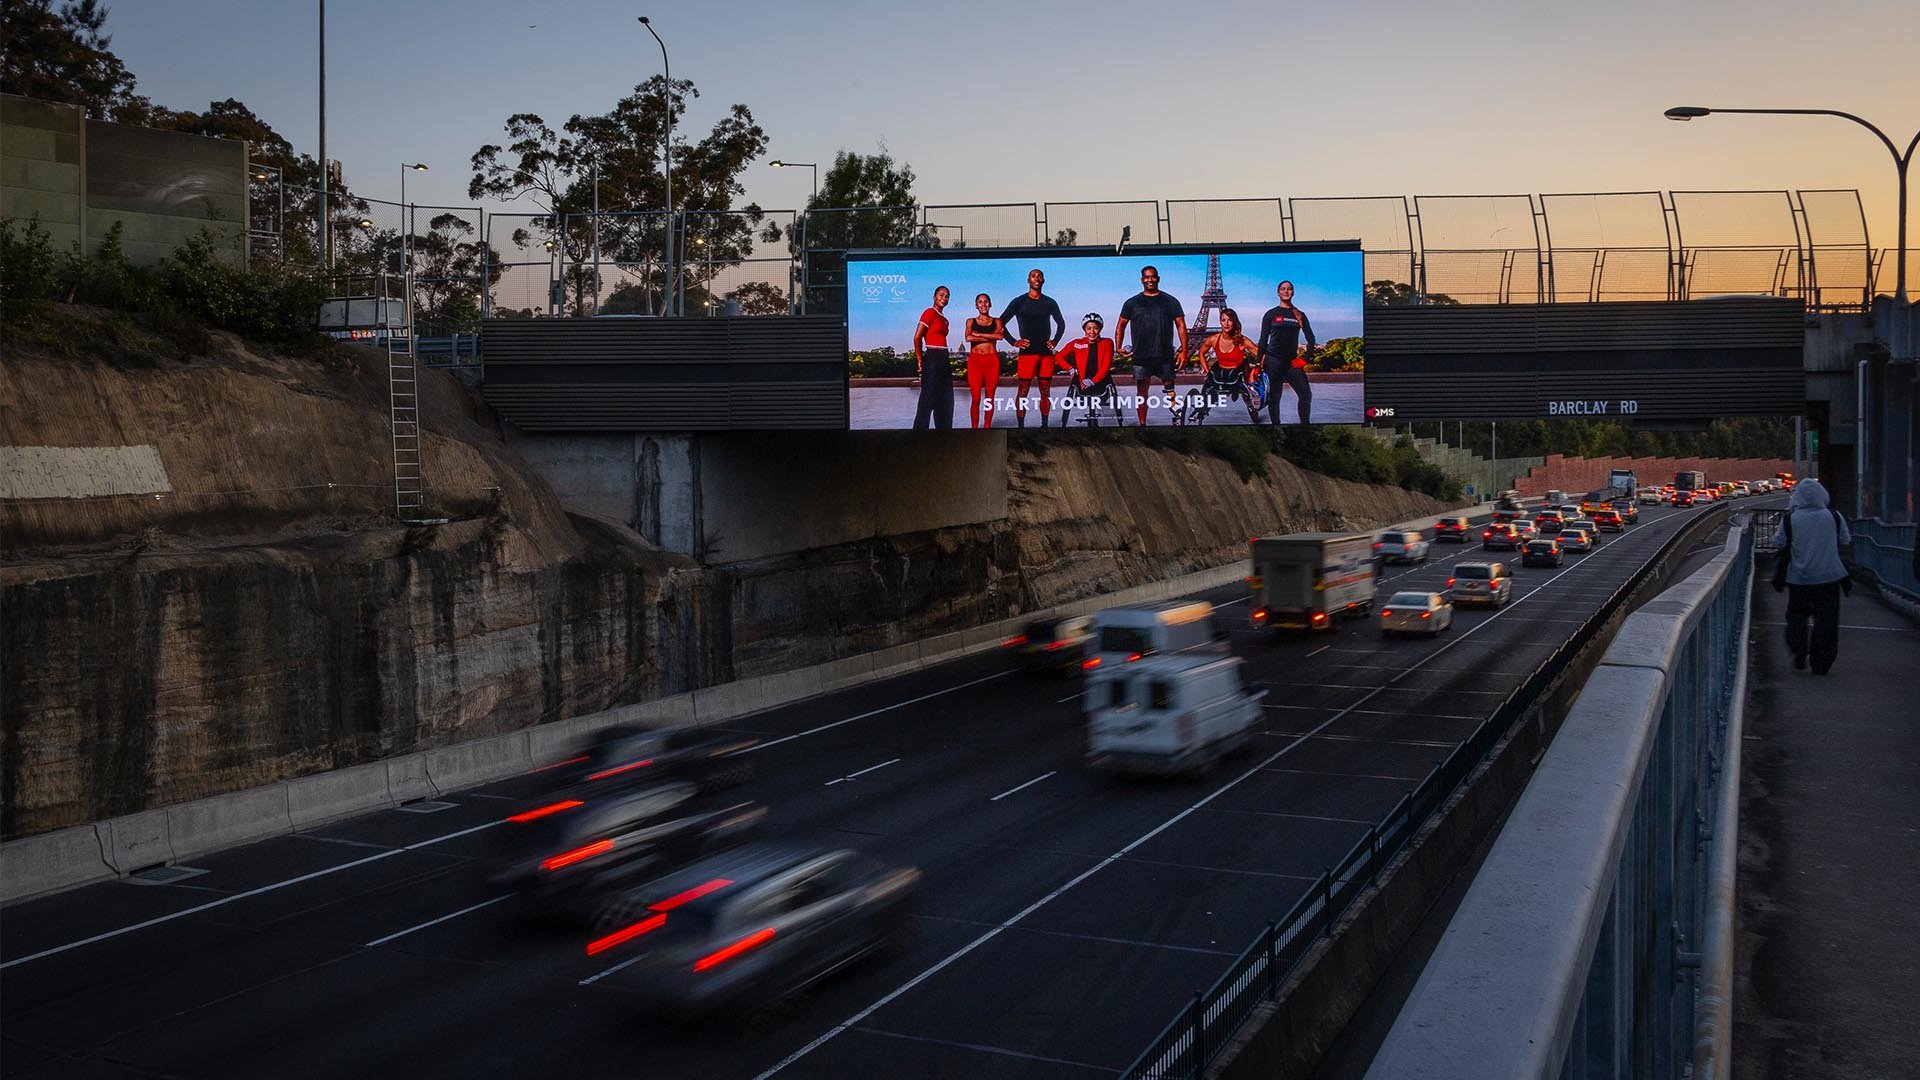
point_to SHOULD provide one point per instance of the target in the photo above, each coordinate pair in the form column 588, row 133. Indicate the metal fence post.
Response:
column 1273, row 964
column 1198, row 1022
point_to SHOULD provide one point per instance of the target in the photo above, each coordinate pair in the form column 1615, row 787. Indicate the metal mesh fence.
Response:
column 739, row 255
column 1480, row 249
column 527, row 247
column 986, row 225
column 1226, row 221
column 1609, row 246
column 1100, row 224
column 1837, row 247
column 1383, row 225
column 1738, row 242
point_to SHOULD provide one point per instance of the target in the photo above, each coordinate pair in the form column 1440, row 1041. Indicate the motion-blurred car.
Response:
column 1454, row 529
column 1508, row 505
column 627, row 754
column 1415, row 613
column 1481, row 583
column 1609, row 521
column 1682, row 499
column 1581, row 536
column 1549, row 521
column 1648, row 497
column 1542, row 552
column 1500, row 537
column 753, row 925
column 1169, row 715
column 569, row 851
column 1402, row 545
column 1526, row 528
column 1051, row 645
column 1628, row 510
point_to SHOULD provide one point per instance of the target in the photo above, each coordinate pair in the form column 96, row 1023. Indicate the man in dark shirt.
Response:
column 1156, row 318
column 1033, row 323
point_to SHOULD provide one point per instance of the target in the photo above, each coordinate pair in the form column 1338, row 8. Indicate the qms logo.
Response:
column 1379, row 412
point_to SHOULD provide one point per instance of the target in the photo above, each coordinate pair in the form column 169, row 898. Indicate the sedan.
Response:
column 1609, row 521
column 1401, row 546
column 1526, row 529
column 1452, row 529
column 1545, row 552
column 1481, row 583
column 628, row 754
column 1416, row 613
column 1578, row 537
column 1502, row 537
column 1051, row 645
column 753, row 926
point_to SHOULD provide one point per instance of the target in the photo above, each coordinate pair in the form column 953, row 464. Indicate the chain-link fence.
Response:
column 1480, row 249
column 981, row 225
column 1609, row 246
column 1227, row 221
column 1100, row 224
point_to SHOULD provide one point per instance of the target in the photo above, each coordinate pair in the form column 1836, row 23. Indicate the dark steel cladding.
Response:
column 1636, row 361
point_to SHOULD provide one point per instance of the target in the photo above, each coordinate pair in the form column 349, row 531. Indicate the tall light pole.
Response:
column 666, row 66
column 324, row 234
column 406, row 244
column 800, row 165
column 1899, row 336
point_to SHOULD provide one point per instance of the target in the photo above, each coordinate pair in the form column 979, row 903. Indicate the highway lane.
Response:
column 1064, row 917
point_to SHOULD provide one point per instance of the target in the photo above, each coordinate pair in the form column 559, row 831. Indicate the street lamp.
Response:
column 666, row 67
column 1902, row 318
column 406, row 244
column 800, row 165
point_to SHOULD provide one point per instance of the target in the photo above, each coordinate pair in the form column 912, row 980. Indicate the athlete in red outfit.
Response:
column 1089, row 360
column 935, row 406
column 983, row 356
column 1235, row 364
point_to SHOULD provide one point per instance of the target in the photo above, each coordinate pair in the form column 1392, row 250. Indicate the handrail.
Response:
column 1602, row 914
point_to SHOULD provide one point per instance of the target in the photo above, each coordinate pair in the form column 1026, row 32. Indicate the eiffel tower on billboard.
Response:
column 1212, row 299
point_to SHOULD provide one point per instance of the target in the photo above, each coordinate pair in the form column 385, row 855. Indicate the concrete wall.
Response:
column 82, row 177
column 592, row 474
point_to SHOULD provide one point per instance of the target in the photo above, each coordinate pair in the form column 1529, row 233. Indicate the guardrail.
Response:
column 1887, row 550
column 1597, row 939
column 1186, row 1046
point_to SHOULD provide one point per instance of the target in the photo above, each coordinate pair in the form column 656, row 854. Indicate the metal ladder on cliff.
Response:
column 403, row 419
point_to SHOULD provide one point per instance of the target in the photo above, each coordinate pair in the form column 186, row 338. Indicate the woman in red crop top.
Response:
column 936, row 370
column 983, row 357
column 1235, row 361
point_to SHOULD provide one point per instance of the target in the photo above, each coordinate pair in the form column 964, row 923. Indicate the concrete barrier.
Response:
column 329, row 796
column 70, row 857
column 224, row 821
column 50, row 862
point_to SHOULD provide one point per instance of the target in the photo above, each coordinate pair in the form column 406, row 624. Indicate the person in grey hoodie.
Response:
column 1814, row 574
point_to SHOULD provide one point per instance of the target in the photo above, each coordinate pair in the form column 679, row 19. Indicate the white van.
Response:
column 1169, row 714
column 1125, row 635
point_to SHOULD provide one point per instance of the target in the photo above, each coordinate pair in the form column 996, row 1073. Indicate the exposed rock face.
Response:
column 253, row 624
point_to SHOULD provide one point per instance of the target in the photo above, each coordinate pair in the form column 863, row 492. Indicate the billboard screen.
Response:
column 1057, row 337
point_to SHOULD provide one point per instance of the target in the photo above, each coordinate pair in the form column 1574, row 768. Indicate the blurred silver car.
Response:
column 1581, row 536
column 1481, row 583
column 1415, row 613
column 753, row 925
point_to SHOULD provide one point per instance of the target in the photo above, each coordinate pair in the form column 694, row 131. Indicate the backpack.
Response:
column 1786, row 553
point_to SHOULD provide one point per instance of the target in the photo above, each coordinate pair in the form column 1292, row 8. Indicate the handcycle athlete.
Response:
column 1090, row 360
column 1235, row 372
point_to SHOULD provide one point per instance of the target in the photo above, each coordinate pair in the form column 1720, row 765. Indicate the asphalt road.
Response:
column 1063, row 919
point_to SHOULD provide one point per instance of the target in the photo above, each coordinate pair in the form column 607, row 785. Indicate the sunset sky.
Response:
column 1017, row 101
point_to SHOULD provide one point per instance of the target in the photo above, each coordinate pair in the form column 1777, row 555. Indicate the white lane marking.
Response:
column 436, row 922
column 1374, row 712
column 591, row 979
column 878, row 711
column 484, row 795
column 1366, row 738
column 985, row 1049
column 223, row 901
column 1230, row 603
column 862, row 772
column 1071, row 697
column 1318, row 651
column 1022, row 787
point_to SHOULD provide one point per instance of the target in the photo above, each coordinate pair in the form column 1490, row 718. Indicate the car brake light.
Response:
column 692, row 894
column 579, row 854
column 618, row 937
column 1386, row 613
column 618, row 769
column 1426, row 614
column 1133, row 657
column 1450, row 582
column 1486, row 534
column 1376, row 547
column 1012, row 641
column 1061, row 644
column 1090, row 663
column 1319, row 616
column 1260, row 614
column 560, row 764
column 551, row 808
column 751, row 941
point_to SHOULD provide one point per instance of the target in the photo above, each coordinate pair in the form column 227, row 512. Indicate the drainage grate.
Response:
column 163, row 875
column 424, row 806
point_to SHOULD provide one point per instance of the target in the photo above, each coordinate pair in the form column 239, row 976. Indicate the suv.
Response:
column 1453, row 529
column 1609, row 521
column 1401, row 545
column 1481, row 583
column 1649, row 496
column 1579, row 536
column 1549, row 521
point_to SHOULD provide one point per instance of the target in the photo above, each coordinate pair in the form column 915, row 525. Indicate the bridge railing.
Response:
column 1596, row 940
column 1886, row 549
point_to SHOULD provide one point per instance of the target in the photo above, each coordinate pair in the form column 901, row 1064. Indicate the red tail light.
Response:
column 751, row 941
column 1426, row 614
column 1052, row 645
column 1450, row 583
column 618, row 769
column 1135, row 656
column 1090, row 663
column 579, row 854
column 694, row 893
column 551, row 808
column 1012, row 641
column 1259, row 614
column 1319, row 616
column 560, row 764
column 618, row 937
column 1376, row 547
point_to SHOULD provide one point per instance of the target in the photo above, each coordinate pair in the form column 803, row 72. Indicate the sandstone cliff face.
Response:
column 253, row 624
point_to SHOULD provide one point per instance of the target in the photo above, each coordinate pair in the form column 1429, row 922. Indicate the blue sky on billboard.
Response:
column 886, row 296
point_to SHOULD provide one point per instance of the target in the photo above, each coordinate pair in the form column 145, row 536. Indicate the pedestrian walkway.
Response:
column 1829, row 939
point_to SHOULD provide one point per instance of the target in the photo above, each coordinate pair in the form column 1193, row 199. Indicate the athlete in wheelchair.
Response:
column 1232, row 363
column 1089, row 359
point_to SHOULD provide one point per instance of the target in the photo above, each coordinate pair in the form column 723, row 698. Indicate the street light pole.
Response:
column 406, row 245
column 666, row 66
column 324, row 234
column 1899, row 336
column 801, row 165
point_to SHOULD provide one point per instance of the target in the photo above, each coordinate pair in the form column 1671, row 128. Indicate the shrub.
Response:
column 28, row 269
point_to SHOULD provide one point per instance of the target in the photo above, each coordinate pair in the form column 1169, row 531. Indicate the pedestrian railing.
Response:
column 1886, row 549
column 1596, row 940
column 1765, row 524
column 1196, row 1037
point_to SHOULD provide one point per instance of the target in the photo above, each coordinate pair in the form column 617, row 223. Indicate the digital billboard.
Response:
column 1065, row 337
